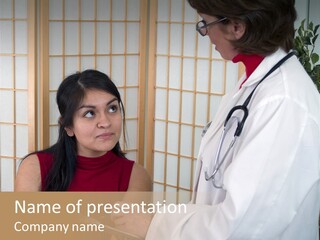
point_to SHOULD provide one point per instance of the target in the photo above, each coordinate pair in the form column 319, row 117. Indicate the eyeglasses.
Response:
column 202, row 26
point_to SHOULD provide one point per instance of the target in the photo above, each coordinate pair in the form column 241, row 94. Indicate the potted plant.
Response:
column 304, row 46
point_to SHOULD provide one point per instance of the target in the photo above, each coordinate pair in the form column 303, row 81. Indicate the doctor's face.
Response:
column 220, row 35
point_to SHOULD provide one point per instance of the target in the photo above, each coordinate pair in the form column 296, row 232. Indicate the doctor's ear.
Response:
column 238, row 29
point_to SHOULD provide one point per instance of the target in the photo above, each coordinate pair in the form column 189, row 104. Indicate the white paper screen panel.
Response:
column 190, row 79
column 13, row 89
column 102, row 35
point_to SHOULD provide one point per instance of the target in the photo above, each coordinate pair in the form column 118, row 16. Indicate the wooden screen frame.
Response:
column 31, row 78
column 44, row 78
column 152, row 92
column 32, row 75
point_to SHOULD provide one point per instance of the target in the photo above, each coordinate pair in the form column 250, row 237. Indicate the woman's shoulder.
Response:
column 140, row 179
column 28, row 176
column 30, row 159
column 30, row 163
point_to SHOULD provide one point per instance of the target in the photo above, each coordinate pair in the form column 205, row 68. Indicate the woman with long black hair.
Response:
column 87, row 155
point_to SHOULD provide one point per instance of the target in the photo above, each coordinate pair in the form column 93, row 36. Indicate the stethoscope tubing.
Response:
column 244, row 108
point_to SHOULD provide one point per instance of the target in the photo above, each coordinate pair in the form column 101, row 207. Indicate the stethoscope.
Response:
column 229, row 122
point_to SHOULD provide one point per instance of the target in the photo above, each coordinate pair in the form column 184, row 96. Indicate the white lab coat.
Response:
column 272, row 175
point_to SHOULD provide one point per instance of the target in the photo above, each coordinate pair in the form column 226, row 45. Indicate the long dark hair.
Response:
column 69, row 96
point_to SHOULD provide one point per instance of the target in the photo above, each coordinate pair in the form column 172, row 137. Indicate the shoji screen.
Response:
column 17, row 86
column 100, row 34
column 188, row 81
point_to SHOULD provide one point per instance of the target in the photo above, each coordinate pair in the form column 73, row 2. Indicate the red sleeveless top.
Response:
column 105, row 173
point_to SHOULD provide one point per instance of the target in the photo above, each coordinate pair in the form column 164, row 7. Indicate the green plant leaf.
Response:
column 308, row 66
column 310, row 25
column 307, row 41
column 304, row 45
column 315, row 39
column 314, row 58
column 317, row 68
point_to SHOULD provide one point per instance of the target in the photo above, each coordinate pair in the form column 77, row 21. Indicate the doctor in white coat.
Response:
column 258, row 168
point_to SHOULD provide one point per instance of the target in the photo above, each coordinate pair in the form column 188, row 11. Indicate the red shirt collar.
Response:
column 251, row 62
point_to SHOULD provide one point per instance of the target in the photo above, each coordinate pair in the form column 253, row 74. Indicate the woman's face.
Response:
column 97, row 123
column 220, row 35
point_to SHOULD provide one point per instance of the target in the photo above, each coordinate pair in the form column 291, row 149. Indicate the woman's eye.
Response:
column 113, row 109
column 89, row 114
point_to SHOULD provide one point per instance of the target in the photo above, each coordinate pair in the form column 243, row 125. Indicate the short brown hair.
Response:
column 269, row 23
